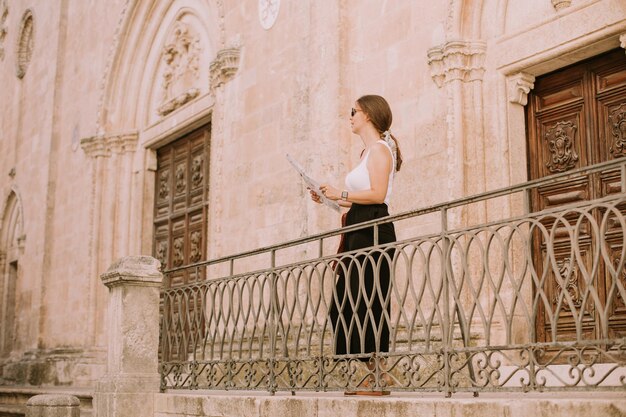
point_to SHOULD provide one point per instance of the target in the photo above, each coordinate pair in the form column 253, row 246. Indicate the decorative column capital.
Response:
column 103, row 146
column 224, row 67
column 124, row 143
column 457, row 60
column 95, row 147
column 519, row 85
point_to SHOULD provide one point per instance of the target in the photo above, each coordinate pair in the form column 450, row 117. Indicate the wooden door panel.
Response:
column 180, row 224
column 615, row 285
column 576, row 117
column 569, row 300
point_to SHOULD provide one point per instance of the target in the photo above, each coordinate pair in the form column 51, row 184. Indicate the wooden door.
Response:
column 181, row 204
column 576, row 117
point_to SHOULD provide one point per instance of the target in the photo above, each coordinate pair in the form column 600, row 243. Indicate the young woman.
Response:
column 363, row 280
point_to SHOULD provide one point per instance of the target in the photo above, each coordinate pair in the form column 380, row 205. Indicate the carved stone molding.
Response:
column 25, row 43
column 561, row 4
column 457, row 60
column 103, row 146
column 224, row 67
column 560, row 139
column 519, row 85
column 4, row 13
column 181, row 55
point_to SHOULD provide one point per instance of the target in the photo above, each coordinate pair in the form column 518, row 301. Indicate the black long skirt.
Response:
column 362, row 286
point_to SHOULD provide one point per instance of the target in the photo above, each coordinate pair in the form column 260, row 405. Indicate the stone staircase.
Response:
column 13, row 398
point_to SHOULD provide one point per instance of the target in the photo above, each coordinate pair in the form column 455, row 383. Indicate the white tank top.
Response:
column 359, row 178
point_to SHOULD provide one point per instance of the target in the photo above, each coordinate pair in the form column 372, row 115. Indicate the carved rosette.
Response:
column 519, row 85
column 224, row 67
column 560, row 140
column 181, row 56
column 25, row 43
column 561, row 4
column 457, row 60
column 4, row 14
column 617, row 121
column 104, row 146
column 567, row 282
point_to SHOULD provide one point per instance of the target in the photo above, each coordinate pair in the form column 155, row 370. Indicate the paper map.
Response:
column 313, row 185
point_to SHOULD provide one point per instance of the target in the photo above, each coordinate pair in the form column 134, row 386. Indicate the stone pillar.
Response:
column 53, row 406
column 132, row 377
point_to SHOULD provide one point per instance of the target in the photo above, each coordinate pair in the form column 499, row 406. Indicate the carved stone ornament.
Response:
column 567, row 282
column 103, row 146
column 519, row 85
column 457, row 60
column 224, row 67
column 181, row 56
column 560, row 140
column 617, row 121
column 268, row 12
column 622, row 41
column 25, row 43
column 4, row 14
column 561, row 4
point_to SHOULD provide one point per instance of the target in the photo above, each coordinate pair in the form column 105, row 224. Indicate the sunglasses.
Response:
column 353, row 111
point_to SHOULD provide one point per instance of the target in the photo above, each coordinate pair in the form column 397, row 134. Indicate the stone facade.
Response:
column 90, row 91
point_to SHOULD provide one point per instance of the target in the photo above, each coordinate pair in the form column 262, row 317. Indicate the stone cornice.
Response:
column 103, row 146
column 224, row 67
column 519, row 85
column 457, row 60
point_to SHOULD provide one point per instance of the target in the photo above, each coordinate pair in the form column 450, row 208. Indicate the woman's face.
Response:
column 358, row 118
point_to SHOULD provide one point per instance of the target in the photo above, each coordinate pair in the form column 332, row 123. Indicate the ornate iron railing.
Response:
column 534, row 301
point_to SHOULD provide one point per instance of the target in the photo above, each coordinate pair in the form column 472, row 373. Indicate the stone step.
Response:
column 13, row 398
column 12, row 410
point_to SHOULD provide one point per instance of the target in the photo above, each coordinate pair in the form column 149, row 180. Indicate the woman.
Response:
column 359, row 329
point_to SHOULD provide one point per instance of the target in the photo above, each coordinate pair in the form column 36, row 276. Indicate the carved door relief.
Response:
column 576, row 117
column 181, row 205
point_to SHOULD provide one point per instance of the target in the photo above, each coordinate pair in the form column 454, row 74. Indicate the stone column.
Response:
column 53, row 406
column 132, row 377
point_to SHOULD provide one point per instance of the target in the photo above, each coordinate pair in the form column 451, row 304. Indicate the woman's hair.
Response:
column 379, row 113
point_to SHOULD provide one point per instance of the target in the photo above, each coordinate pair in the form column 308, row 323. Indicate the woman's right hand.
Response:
column 315, row 196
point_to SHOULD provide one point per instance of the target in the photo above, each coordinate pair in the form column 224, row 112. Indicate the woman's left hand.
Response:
column 330, row 192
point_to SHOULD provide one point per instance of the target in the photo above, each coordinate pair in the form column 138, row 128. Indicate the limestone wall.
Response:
column 78, row 131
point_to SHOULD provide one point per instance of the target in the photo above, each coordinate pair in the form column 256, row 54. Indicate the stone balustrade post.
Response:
column 132, row 377
column 53, row 406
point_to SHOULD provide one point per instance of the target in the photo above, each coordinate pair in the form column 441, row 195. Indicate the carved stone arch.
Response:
column 11, row 245
column 135, row 55
column 464, row 19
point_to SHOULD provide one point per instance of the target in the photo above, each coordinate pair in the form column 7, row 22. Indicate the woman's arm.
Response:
column 379, row 167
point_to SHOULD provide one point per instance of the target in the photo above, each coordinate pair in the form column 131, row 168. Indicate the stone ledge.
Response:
column 231, row 404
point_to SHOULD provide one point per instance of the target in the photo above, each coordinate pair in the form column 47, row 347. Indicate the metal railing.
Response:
column 534, row 301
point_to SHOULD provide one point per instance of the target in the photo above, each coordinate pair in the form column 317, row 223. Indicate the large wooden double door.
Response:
column 576, row 117
column 181, row 204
